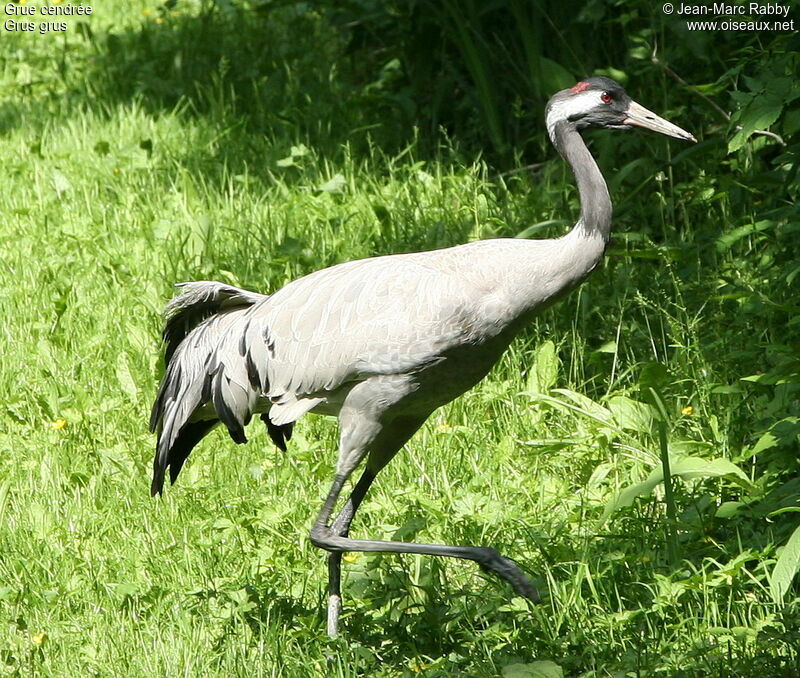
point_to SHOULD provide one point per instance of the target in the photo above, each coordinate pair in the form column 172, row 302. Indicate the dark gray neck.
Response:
column 595, row 201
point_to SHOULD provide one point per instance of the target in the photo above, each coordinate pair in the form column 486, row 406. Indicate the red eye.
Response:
column 606, row 98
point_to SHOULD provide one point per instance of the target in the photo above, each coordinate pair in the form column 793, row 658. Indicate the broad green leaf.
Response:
column 544, row 372
column 728, row 508
column 726, row 240
column 586, row 406
column 627, row 496
column 786, row 373
column 540, row 669
column 762, row 108
column 631, row 414
column 696, row 467
column 554, row 75
column 126, row 588
column 684, row 467
column 334, row 185
column 786, row 567
column 726, row 389
column 765, row 442
column 783, row 433
column 759, row 113
column 608, row 347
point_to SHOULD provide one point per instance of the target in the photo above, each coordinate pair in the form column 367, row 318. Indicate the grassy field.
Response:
column 128, row 164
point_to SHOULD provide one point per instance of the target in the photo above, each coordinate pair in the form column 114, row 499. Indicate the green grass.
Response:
column 119, row 181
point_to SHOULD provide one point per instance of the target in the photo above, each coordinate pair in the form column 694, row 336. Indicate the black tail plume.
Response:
column 196, row 323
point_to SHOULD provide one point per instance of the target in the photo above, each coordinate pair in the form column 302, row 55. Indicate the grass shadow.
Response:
column 278, row 72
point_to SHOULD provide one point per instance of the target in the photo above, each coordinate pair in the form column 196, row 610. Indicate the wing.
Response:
column 385, row 315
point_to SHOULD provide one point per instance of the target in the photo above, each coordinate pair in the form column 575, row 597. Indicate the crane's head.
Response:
column 601, row 102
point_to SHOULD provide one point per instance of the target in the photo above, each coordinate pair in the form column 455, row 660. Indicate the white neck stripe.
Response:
column 564, row 109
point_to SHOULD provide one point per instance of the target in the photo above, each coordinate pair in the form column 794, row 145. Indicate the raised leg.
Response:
column 326, row 537
column 366, row 428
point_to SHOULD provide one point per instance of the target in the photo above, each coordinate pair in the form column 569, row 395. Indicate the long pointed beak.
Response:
column 638, row 115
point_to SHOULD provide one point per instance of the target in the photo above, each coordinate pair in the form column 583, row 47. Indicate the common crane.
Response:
column 381, row 343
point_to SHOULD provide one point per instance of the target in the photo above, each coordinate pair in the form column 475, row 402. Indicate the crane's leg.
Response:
column 341, row 526
column 371, row 420
column 326, row 537
column 334, row 537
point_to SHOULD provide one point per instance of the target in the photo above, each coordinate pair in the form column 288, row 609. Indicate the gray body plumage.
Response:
column 419, row 328
column 380, row 343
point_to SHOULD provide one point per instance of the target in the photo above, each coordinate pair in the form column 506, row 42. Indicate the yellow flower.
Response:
column 159, row 20
column 58, row 424
column 38, row 638
column 350, row 557
column 687, row 411
column 147, row 12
